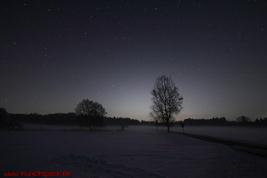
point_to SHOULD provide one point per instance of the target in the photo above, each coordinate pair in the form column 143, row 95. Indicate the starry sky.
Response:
column 55, row 53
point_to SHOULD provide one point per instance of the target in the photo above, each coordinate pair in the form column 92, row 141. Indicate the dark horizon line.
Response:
column 202, row 118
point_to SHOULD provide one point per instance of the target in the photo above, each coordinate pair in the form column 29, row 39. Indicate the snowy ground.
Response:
column 256, row 135
column 141, row 152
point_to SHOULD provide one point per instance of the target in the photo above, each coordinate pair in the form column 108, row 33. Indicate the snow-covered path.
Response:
column 121, row 154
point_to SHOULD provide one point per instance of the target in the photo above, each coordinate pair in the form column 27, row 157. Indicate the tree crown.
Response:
column 90, row 108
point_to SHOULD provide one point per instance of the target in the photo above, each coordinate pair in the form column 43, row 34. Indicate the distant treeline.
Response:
column 71, row 119
column 221, row 121
column 16, row 121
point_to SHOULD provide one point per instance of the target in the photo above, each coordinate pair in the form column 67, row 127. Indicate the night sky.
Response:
column 55, row 53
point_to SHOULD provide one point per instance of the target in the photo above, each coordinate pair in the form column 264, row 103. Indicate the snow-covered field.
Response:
column 141, row 152
column 244, row 134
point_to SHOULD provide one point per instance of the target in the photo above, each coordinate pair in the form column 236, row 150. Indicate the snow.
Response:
column 141, row 152
column 255, row 135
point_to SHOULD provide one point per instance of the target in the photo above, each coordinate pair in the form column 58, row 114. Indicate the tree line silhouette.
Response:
column 222, row 121
column 16, row 121
column 71, row 119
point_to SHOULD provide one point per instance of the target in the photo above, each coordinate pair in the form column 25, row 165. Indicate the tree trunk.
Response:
column 168, row 124
column 168, row 128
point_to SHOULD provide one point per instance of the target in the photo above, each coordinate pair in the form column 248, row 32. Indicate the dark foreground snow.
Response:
column 140, row 153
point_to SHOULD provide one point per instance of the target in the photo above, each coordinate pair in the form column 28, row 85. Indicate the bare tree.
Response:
column 167, row 101
column 90, row 108
column 90, row 113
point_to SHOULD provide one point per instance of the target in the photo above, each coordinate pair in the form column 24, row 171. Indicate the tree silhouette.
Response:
column 3, row 118
column 90, row 113
column 90, row 108
column 243, row 119
column 167, row 101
